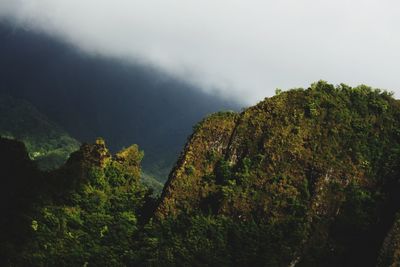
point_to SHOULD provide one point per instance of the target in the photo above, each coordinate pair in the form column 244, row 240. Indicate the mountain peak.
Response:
column 302, row 159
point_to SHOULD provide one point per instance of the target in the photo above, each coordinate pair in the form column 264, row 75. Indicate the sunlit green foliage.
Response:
column 299, row 163
column 98, row 216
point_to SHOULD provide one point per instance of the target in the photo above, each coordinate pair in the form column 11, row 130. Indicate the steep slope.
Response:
column 209, row 143
column 91, row 96
column 316, row 167
column 46, row 142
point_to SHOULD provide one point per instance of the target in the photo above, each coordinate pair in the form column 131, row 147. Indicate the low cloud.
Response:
column 241, row 49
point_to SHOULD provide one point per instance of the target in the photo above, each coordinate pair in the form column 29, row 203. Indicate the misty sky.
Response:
column 242, row 48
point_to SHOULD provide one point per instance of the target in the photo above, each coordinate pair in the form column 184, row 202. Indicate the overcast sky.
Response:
column 243, row 48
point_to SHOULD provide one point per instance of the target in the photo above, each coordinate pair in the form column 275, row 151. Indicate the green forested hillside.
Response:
column 306, row 178
column 46, row 142
column 309, row 177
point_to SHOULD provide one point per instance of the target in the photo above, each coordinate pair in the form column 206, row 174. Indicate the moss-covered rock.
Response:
column 184, row 189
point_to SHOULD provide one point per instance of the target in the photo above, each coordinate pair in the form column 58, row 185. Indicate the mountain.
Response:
column 91, row 96
column 314, row 173
column 46, row 142
column 308, row 177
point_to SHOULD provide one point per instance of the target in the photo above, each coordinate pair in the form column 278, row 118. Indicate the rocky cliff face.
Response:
column 318, row 162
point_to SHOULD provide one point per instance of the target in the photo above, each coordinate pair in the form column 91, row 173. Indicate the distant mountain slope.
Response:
column 46, row 142
column 93, row 96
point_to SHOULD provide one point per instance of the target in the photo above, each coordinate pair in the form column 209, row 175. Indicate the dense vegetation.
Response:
column 320, row 164
column 304, row 178
column 88, row 211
